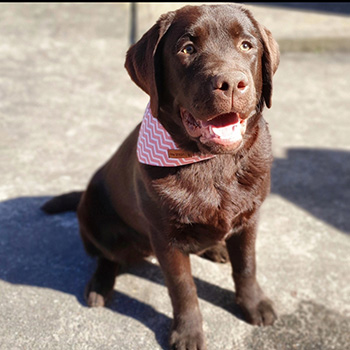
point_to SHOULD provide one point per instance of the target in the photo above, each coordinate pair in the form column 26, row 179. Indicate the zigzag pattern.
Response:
column 154, row 142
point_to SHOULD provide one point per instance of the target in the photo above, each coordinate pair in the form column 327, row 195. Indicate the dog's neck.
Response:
column 156, row 147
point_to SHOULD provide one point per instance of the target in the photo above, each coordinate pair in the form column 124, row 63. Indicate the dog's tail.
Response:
column 62, row 203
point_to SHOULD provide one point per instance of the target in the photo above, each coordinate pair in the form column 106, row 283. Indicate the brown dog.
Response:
column 208, row 71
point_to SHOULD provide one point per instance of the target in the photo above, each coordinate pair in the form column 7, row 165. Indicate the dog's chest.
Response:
column 206, row 204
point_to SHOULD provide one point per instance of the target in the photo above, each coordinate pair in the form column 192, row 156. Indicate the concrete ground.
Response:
column 67, row 103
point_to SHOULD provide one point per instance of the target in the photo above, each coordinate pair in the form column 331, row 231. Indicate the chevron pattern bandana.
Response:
column 156, row 147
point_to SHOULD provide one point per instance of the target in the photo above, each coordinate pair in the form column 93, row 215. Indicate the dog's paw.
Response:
column 96, row 295
column 259, row 314
column 217, row 253
column 187, row 340
column 93, row 299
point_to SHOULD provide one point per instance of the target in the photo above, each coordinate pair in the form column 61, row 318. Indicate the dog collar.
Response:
column 156, row 147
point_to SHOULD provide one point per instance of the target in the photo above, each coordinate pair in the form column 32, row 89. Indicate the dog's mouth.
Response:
column 224, row 129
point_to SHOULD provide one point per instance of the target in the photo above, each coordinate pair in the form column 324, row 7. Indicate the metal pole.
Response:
column 133, row 29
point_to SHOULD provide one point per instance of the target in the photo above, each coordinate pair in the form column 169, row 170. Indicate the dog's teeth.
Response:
column 223, row 132
column 211, row 132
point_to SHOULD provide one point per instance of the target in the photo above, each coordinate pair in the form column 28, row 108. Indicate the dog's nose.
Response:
column 232, row 83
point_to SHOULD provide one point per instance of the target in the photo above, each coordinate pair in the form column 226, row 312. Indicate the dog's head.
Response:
column 208, row 71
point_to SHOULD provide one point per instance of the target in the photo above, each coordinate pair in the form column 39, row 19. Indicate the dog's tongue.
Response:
column 224, row 120
column 225, row 127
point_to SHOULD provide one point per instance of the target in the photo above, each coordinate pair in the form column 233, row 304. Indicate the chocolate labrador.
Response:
column 192, row 176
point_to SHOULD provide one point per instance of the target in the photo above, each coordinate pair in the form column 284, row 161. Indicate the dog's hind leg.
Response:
column 100, row 288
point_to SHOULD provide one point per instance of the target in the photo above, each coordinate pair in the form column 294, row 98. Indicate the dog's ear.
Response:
column 270, row 62
column 143, row 61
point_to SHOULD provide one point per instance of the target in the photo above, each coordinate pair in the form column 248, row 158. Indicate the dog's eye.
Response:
column 188, row 49
column 245, row 46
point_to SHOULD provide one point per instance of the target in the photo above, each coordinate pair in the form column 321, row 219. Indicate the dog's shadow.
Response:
column 46, row 251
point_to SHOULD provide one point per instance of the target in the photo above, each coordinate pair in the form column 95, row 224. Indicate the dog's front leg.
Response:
column 256, row 306
column 187, row 331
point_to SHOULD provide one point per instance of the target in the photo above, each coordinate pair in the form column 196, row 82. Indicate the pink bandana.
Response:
column 156, row 147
